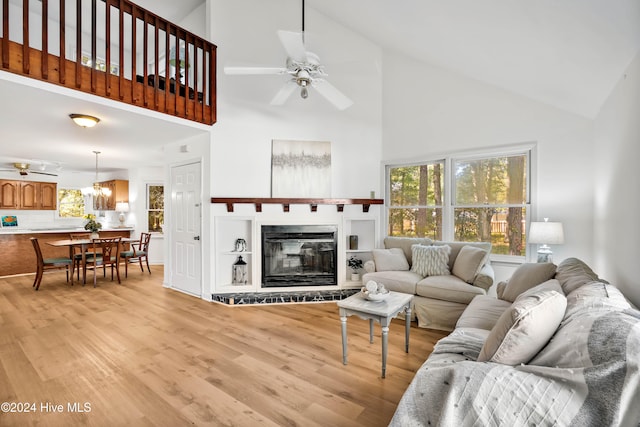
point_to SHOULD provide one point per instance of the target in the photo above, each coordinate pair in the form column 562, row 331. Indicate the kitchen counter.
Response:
column 18, row 256
column 15, row 230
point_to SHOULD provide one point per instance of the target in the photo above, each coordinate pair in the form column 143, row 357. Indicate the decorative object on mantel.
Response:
column 355, row 264
column 300, row 168
column 92, row 225
column 546, row 233
column 285, row 202
column 241, row 245
column 353, row 242
column 297, row 297
column 239, row 272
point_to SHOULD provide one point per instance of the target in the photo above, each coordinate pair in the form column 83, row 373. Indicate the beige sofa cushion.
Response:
column 405, row 244
column 398, row 281
column 573, row 273
column 448, row 288
column 430, row 260
column 524, row 328
column 392, row 259
column 482, row 313
column 456, row 247
column 468, row 262
column 526, row 277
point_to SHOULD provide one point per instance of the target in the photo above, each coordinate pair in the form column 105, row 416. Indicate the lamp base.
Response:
column 121, row 218
column 545, row 254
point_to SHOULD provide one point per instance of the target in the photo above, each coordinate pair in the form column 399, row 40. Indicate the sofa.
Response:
column 445, row 276
column 558, row 346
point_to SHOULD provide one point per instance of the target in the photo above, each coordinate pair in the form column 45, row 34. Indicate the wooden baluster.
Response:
column 25, row 36
column 212, row 86
column 121, row 55
column 134, row 32
column 156, row 80
column 167, row 48
column 78, row 43
column 145, row 55
column 94, row 44
column 107, row 42
column 63, row 48
column 45, row 40
column 176, row 89
column 5, row 33
column 186, row 75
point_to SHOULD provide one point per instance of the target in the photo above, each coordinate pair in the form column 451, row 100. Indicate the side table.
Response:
column 379, row 311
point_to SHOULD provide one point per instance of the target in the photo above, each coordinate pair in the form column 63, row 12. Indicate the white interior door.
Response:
column 186, row 272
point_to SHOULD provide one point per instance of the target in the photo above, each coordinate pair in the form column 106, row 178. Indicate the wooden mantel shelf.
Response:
column 286, row 202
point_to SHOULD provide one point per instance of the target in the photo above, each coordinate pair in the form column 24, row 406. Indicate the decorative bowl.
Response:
column 375, row 296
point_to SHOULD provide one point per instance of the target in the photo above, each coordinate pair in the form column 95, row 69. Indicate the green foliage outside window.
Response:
column 70, row 203
column 155, row 210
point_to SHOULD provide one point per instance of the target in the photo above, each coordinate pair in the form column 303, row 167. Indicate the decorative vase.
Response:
column 94, row 235
column 353, row 242
column 355, row 277
column 239, row 272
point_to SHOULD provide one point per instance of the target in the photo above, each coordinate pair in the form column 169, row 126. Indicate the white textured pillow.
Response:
column 468, row 263
column 524, row 328
column 430, row 260
column 390, row 260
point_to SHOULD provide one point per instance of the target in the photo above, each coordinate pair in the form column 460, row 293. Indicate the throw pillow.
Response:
column 573, row 273
column 526, row 277
column 430, row 260
column 468, row 263
column 390, row 260
column 524, row 328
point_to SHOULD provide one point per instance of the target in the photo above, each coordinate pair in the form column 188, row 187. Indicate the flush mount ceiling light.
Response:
column 84, row 120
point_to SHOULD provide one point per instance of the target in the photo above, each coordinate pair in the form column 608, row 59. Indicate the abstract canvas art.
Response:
column 300, row 169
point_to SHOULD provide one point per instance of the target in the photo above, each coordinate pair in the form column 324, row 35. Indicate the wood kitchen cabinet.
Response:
column 119, row 193
column 28, row 195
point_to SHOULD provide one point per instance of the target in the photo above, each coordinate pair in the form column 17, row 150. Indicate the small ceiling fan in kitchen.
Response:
column 24, row 169
column 303, row 69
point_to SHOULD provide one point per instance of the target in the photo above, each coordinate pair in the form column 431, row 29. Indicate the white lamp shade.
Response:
column 546, row 233
column 122, row 207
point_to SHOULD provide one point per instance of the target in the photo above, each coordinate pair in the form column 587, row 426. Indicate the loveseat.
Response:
column 557, row 347
column 444, row 279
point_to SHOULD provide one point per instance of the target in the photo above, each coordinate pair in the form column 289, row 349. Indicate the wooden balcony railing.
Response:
column 114, row 49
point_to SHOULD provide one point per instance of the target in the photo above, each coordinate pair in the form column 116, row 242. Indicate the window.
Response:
column 70, row 203
column 486, row 200
column 415, row 200
column 155, row 208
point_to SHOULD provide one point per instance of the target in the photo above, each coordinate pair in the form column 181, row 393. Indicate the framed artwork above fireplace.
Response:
column 300, row 169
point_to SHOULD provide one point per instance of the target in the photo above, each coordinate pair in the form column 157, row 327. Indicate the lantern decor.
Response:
column 239, row 272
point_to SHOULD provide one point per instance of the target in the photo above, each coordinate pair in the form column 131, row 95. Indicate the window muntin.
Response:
column 70, row 203
column 155, row 208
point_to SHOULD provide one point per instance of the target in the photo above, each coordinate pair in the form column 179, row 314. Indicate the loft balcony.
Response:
column 113, row 49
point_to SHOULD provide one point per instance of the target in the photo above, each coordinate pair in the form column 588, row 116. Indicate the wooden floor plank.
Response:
column 141, row 354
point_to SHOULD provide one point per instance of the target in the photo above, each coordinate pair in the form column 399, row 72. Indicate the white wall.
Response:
column 429, row 111
column 617, row 201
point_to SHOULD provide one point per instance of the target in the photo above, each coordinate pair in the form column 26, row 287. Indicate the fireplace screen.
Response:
column 299, row 255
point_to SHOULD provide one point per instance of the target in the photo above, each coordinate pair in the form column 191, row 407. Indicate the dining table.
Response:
column 84, row 244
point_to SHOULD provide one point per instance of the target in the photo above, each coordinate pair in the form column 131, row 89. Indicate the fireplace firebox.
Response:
column 299, row 255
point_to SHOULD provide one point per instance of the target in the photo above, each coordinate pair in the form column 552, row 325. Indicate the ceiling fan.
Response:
column 24, row 169
column 302, row 67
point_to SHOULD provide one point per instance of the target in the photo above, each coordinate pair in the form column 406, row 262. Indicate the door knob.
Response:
column 196, row 237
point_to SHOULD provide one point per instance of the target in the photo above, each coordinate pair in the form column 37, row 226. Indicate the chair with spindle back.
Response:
column 138, row 251
column 77, row 251
column 49, row 264
column 107, row 252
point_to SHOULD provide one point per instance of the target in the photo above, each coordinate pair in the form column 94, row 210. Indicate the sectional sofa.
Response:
column 557, row 347
column 444, row 276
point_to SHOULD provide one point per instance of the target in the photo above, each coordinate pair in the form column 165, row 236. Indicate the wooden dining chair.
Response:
column 77, row 251
column 138, row 251
column 107, row 253
column 49, row 264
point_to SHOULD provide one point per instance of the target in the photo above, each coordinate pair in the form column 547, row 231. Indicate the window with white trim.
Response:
column 155, row 208
column 479, row 198
column 70, row 203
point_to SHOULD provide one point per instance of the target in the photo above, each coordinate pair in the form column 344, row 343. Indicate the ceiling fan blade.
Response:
column 254, row 70
column 293, row 45
column 333, row 95
column 284, row 93
column 43, row 173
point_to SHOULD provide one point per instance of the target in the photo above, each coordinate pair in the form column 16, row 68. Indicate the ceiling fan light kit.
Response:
column 304, row 68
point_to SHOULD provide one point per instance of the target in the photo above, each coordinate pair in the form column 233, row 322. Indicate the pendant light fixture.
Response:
column 97, row 190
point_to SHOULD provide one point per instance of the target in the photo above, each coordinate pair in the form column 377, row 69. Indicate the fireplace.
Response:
column 299, row 255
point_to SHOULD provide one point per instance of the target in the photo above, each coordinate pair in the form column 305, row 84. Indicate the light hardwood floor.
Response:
column 141, row 355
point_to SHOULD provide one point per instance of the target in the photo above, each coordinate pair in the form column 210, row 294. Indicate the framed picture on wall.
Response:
column 300, row 169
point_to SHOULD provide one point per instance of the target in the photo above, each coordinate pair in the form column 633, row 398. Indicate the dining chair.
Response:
column 107, row 252
column 138, row 251
column 77, row 251
column 49, row 264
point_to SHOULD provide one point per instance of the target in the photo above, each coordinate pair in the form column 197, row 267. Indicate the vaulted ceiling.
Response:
column 565, row 53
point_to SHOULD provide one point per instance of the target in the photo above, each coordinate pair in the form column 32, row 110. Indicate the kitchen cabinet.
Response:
column 119, row 193
column 28, row 195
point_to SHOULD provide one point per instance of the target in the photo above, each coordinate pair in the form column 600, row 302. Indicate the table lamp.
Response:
column 546, row 233
column 122, row 207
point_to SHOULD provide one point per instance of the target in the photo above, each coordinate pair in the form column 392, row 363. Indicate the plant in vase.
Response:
column 355, row 264
column 92, row 225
